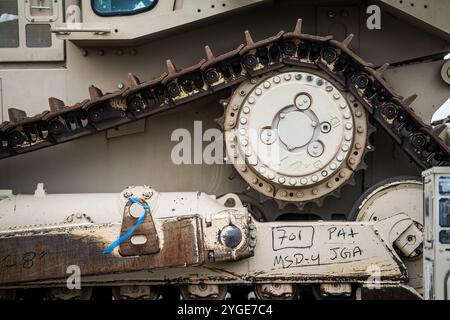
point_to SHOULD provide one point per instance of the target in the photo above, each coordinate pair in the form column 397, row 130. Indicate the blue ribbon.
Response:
column 130, row 232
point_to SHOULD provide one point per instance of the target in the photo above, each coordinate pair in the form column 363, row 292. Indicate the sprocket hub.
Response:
column 294, row 135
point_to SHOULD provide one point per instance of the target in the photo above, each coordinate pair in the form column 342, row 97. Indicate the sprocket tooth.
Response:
column 171, row 70
column 337, row 193
column 351, row 181
column 281, row 204
column 95, row 93
column 361, row 166
column 224, row 103
column 16, row 115
column 409, row 101
column 263, row 198
column 346, row 42
column 371, row 129
column 234, row 175
column 300, row 205
column 209, row 54
column 220, row 121
column 319, row 202
column 55, row 104
column 133, row 80
column 370, row 148
column 248, row 38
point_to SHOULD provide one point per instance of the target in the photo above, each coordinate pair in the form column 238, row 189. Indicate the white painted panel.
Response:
column 30, row 89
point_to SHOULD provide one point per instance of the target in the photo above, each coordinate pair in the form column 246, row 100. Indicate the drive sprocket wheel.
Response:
column 295, row 135
column 387, row 198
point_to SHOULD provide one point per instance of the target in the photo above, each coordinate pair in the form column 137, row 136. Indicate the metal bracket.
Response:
column 145, row 238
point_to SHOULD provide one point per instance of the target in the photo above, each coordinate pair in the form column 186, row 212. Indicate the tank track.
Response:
column 177, row 87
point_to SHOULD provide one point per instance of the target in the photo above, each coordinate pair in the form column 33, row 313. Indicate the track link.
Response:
column 177, row 87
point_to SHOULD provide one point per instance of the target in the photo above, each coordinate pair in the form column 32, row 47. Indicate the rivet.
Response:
column 246, row 110
column 254, row 181
column 281, row 180
column 251, row 100
column 348, row 126
column 276, row 79
column 324, row 173
column 341, row 174
column 333, row 166
column 314, row 178
column 298, row 76
column 266, row 84
column 243, row 120
column 287, row 77
column 235, row 107
column 330, row 184
column 258, row 91
column 360, row 130
column 339, row 158
column 243, row 168
column 303, row 181
column 351, row 161
column 329, row 88
column 345, row 148
column 315, row 191
column 283, row 193
column 358, row 145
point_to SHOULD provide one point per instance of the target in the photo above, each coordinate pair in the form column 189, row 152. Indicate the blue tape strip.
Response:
column 130, row 232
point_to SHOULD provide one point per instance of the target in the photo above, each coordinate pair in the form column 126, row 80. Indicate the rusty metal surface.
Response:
column 46, row 254
column 103, row 112
column 146, row 229
column 389, row 292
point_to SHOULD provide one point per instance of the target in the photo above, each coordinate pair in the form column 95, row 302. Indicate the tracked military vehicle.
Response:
column 281, row 165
